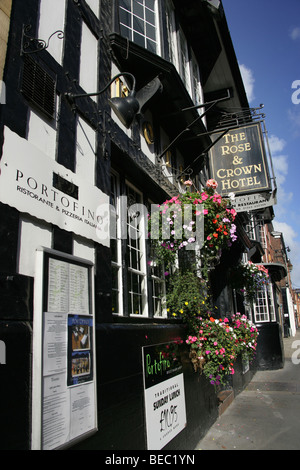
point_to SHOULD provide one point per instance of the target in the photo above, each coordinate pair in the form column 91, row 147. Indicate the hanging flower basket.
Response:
column 246, row 336
column 248, row 279
column 216, row 344
column 203, row 218
column 213, row 349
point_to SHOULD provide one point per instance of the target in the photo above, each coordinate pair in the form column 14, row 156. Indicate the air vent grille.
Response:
column 38, row 87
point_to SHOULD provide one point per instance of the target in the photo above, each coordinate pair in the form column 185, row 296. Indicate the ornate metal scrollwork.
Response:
column 31, row 45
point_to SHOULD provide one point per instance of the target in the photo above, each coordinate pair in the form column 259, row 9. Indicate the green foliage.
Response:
column 187, row 296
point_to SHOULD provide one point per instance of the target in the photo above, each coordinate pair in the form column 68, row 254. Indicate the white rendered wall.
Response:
column 83, row 248
column 33, row 233
column 88, row 74
column 94, row 6
column 52, row 19
column 41, row 133
column 85, row 151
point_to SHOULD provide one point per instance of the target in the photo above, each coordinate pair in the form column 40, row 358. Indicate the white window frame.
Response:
column 250, row 228
column 117, row 264
column 265, row 312
column 172, row 34
column 197, row 90
column 262, row 234
column 157, row 299
column 157, row 278
column 184, row 61
column 132, row 31
column 141, row 272
column 196, row 82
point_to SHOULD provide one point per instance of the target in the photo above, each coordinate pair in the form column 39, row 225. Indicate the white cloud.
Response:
column 276, row 144
column 295, row 33
column 289, row 234
column 249, row 80
column 281, row 168
column 280, row 161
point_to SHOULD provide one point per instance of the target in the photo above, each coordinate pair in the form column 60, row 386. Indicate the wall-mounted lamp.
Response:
column 125, row 108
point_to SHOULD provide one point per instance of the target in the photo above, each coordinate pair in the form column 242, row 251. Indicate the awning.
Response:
column 277, row 271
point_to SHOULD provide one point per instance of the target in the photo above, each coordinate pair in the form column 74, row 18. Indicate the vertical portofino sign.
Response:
column 238, row 161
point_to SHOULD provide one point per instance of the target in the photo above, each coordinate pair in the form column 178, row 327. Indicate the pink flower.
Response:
column 212, row 184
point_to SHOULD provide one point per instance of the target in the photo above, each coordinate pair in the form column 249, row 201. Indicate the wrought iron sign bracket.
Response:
column 31, row 45
column 211, row 104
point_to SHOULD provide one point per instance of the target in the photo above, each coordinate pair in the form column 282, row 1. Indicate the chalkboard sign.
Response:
column 163, row 393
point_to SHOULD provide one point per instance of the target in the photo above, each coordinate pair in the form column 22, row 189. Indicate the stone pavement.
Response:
column 266, row 415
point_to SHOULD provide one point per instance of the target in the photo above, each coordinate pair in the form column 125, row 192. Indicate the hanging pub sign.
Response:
column 238, row 161
column 164, row 394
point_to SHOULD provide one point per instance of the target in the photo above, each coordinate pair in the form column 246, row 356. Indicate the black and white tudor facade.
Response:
column 63, row 160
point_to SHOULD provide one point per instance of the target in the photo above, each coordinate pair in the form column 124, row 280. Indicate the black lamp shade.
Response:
column 125, row 109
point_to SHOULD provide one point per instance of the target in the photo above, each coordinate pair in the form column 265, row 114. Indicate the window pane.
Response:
column 150, row 17
column 150, row 4
column 150, row 31
column 125, row 32
column 138, row 25
column 139, row 39
column 125, row 17
column 125, row 3
column 151, row 46
column 138, row 9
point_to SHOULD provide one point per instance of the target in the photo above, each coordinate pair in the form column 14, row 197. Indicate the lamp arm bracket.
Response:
column 71, row 96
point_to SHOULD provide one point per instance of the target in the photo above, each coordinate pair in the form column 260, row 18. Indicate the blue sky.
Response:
column 266, row 38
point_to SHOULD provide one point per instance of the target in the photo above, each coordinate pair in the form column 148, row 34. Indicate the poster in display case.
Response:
column 64, row 370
